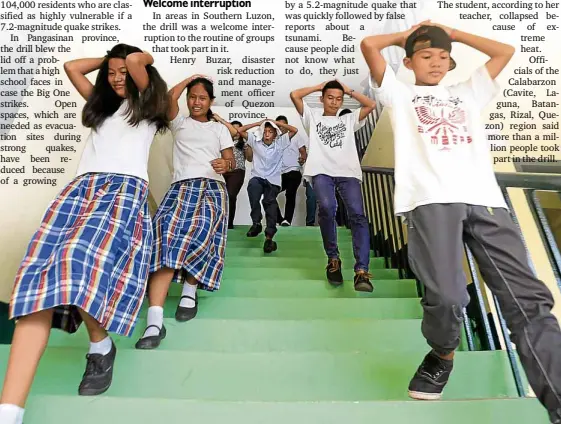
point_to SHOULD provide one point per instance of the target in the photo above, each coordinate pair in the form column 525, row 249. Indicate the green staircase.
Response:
column 276, row 344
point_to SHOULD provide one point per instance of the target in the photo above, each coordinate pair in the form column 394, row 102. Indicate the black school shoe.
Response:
column 270, row 246
column 431, row 378
column 99, row 373
column 333, row 272
column 183, row 314
column 151, row 342
column 255, row 230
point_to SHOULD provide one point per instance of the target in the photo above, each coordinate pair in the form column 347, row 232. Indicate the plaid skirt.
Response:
column 91, row 251
column 190, row 230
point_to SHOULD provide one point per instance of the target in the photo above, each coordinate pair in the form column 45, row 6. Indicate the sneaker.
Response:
column 333, row 272
column 431, row 378
column 285, row 223
column 99, row 373
column 269, row 246
column 362, row 282
column 255, row 230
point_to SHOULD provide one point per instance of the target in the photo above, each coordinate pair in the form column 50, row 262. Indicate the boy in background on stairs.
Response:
column 293, row 158
column 267, row 145
column 333, row 164
column 447, row 191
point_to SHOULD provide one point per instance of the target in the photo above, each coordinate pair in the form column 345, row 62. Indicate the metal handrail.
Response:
column 388, row 240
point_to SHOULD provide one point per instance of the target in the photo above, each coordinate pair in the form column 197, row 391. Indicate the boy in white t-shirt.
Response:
column 333, row 164
column 446, row 189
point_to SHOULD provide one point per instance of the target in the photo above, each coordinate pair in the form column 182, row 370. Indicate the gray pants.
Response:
column 435, row 235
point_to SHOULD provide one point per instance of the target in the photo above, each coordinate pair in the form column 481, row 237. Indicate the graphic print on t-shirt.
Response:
column 331, row 136
column 444, row 121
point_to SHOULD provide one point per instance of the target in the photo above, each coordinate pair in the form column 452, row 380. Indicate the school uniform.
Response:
column 333, row 164
column 190, row 226
column 266, row 178
column 92, row 248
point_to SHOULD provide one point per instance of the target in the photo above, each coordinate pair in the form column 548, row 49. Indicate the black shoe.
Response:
column 555, row 416
column 362, row 282
column 151, row 342
column 269, row 246
column 183, row 314
column 431, row 378
column 333, row 272
column 255, row 230
column 99, row 373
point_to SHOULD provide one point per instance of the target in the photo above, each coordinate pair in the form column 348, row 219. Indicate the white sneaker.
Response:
column 285, row 223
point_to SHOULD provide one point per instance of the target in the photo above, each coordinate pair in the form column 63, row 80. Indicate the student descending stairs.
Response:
column 276, row 345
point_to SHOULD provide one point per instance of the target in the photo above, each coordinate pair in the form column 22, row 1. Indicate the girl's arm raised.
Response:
column 136, row 67
column 77, row 71
column 231, row 128
column 175, row 94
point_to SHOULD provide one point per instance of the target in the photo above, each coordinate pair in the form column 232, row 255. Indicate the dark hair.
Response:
column 344, row 112
column 282, row 118
column 236, row 123
column 104, row 102
column 332, row 85
column 209, row 88
column 269, row 125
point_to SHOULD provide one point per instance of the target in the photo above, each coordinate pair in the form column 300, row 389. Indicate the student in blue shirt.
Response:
column 267, row 144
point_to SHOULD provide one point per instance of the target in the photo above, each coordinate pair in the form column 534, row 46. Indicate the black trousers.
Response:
column 234, row 183
column 257, row 188
column 290, row 182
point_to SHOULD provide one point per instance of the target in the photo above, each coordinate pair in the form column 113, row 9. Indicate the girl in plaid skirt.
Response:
column 88, row 261
column 191, row 223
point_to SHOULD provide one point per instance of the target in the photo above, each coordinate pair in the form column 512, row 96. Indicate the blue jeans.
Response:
column 350, row 192
column 311, row 204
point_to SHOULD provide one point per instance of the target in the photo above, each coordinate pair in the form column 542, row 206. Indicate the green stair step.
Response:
column 305, row 289
column 298, row 309
column 268, row 261
column 278, row 377
column 238, row 249
column 318, row 273
column 58, row 409
column 345, row 246
column 214, row 335
column 342, row 236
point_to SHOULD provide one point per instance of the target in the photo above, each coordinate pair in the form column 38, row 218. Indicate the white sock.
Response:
column 155, row 317
column 188, row 290
column 11, row 414
column 103, row 347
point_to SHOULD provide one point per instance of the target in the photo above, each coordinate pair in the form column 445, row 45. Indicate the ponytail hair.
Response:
column 152, row 105
column 209, row 88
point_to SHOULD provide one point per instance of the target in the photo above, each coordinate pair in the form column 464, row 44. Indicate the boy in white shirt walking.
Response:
column 332, row 164
column 446, row 188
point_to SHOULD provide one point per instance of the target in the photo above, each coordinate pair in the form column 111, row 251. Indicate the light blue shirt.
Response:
column 267, row 160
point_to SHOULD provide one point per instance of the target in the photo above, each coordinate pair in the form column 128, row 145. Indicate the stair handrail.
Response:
column 388, row 240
